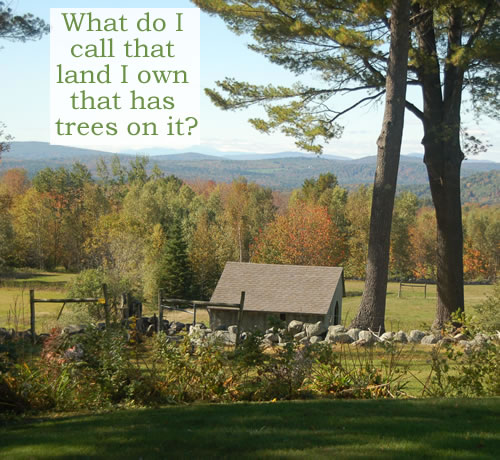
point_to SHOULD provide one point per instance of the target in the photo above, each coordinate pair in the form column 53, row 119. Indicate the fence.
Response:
column 173, row 304
column 33, row 300
column 413, row 285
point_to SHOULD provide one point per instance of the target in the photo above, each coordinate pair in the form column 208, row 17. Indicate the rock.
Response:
column 416, row 336
column 336, row 329
column 354, row 333
column 387, row 336
column 232, row 329
column 361, row 343
column 313, row 329
column 368, row 337
column 429, row 339
column 460, row 336
column 226, row 337
column 315, row 339
column 340, row 337
column 150, row 330
column 304, row 340
column 177, row 326
column 73, row 329
column 272, row 337
column 446, row 340
column 266, row 343
column 400, row 337
column 480, row 339
column 294, row 327
column 300, row 336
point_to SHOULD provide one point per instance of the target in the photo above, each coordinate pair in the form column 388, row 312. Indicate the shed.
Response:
column 285, row 292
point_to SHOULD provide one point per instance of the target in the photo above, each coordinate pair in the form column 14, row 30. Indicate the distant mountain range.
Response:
column 281, row 171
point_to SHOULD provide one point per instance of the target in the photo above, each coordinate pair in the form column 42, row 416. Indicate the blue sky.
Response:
column 24, row 92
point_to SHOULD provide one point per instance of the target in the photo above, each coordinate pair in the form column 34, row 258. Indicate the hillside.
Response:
column 276, row 171
column 482, row 188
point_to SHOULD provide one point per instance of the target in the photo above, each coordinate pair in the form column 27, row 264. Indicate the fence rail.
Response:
column 33, row 301
column 167, row 303
column 413, row 285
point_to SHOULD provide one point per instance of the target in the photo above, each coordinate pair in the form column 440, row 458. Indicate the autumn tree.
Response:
column 452, row 47
column 305, row 235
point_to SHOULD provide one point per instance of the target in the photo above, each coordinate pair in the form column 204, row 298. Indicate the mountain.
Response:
column 282, row 171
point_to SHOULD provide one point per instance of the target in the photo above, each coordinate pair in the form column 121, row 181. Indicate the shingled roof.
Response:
column 279, row 288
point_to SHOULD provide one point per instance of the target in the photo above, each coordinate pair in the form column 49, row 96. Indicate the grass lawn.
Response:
column 411, row 311
column 376, row 429
column 15, row 305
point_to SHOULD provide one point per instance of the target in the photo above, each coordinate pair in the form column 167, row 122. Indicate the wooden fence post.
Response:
column 425, row 291
column 399, row 292
column 240, row 315
column 160, row 311
column 32, row 316
column 106, row 305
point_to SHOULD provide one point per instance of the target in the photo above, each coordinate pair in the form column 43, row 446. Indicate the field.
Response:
column 355, row 429
column 411, row 311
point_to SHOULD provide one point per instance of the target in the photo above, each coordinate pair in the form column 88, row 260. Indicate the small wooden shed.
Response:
column 285, row 292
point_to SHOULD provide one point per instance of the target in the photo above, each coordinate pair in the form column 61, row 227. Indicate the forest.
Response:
column 138, row 229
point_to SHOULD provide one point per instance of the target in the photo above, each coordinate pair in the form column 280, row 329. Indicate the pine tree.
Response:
column 175, row 271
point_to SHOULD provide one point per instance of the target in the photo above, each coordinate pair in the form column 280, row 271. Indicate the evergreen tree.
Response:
column 175, row 271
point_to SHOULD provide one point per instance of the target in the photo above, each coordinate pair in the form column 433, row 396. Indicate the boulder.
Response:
column 294, row 327
column 354, row 333
column 73, row 329
column 368, row 337
column 313, row 329
column 387, row 336
column 336, row 329
column 272, row 337
column 340, row 337
column 416, row 336
column 299, row 336
column 151, row 330
column 232, row 329
column 429, row 339
column 400, row 337
column 304, row 340
column 480, row 339
column 177, row 326
column 315, row 339
column 460, row 336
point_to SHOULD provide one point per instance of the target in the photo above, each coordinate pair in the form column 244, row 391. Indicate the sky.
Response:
column 24, row 92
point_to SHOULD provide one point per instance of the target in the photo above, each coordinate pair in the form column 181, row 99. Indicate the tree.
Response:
column 175, row 271
column 453, row 46
column 371, row 312
column 17, row 28
column 305, row 235
column 14, row 27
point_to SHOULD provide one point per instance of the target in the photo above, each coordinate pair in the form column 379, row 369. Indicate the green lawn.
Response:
column 376, row 429
column 15, row 305
column 411, row 311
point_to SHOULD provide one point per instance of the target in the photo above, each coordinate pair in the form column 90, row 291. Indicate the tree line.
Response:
column 145, row 230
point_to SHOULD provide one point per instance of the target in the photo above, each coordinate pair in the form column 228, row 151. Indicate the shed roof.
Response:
column 279, row 288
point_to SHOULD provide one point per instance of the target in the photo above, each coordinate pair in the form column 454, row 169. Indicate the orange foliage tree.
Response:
column 305, row 235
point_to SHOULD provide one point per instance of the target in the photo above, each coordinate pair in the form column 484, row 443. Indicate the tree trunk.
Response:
column 371, row 312
column 443, row 159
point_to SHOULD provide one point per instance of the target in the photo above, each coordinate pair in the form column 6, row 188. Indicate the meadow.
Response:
column 410, row 311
